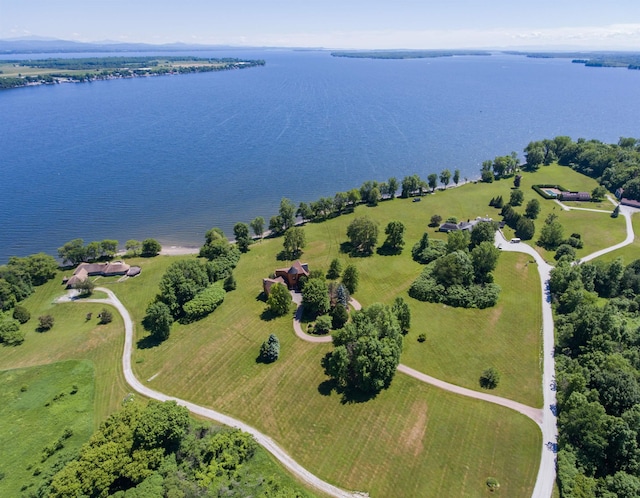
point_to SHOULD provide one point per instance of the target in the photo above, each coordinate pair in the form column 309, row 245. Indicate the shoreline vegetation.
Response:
column 629, row 60
column 405, row 54
column 21, row 73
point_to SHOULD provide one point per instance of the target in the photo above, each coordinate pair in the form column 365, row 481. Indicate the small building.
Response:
column 287, row 276
column 575, row 196
column 630, row 202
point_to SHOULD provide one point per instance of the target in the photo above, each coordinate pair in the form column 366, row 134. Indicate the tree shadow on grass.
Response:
column 348, row 396
column 348, row 248
column 267, row 315
column 149, row 342
column 388, row 251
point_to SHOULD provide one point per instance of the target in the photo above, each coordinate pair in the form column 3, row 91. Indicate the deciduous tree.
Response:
column 395, row 236
column 279, row 300
column 150, row 247
column 158, row 320
column 294, row 241
column 363, row 234
column 350, row 278
column 315, row 297
column 257, row 225
column 241, row 234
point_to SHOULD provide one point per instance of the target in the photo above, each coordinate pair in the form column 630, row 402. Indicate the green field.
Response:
column 37, row 405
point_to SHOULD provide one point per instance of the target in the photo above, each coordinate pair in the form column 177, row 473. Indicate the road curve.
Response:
column 262, row 439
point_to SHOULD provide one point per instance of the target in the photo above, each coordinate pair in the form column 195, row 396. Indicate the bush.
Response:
column 10, row 333
column 422, row 337
column 45, row 322
column 489, row 378
column 323, row 325
column 21, row 314
column 105, row 316
column 205, row 302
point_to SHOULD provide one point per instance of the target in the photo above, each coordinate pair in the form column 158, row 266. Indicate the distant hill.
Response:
column 36, row 45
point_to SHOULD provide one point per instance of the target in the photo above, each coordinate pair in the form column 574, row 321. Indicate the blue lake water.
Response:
column 170, row 157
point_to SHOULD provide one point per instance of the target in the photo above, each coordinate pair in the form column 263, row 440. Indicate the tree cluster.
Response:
column 190, row 289
column 158, row 450
column 462, row 276
column 367, row 351
column 500, row 167
column 614, row 166
column 597, row 372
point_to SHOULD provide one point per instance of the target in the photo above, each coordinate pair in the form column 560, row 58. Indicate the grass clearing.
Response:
column 73, row 337
column 631, row 252
column 37, row 404
column 462, row 343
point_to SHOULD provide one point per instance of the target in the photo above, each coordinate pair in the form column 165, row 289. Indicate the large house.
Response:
column 287, row 276
column 463, row 225
column 86, row 270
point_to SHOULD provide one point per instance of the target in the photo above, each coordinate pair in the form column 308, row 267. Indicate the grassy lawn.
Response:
column 73, row 337
column 212, row 362
column 37, row 405
column 631, row 252
column 462, row 343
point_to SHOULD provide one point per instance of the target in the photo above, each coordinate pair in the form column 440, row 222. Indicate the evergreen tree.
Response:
column 270, row 349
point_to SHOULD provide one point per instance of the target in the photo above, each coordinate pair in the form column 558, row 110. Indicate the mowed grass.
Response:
column 631, row 252
column 379, row 446
column 73, row 337
column 37, row 404
column 462, row 343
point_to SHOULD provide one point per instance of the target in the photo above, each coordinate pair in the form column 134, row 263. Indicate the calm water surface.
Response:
column 171, row 157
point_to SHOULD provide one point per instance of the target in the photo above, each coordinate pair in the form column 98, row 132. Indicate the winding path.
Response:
column 268, row 443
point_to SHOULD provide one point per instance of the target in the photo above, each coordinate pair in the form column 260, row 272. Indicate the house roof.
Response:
column 111, row 268
column 448, row 227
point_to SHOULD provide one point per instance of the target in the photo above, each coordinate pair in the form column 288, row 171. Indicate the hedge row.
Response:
column 538, row 188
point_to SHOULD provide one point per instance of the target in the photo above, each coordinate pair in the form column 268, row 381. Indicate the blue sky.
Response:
column 597, row 24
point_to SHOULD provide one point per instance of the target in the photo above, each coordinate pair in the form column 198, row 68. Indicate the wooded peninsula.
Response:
column 20, row 73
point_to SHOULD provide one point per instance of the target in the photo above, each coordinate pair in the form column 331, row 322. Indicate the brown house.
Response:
column 86, row 270
column 287, row 276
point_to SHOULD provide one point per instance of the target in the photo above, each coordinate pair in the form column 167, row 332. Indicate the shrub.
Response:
column 21, row 314
column 45, row 322
column 435, row 221
column 10, row 333
column 489, row 378
column 105, row 316
column 205, row 302
column 422, row 337
column 150, row 247
column 323, row 325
